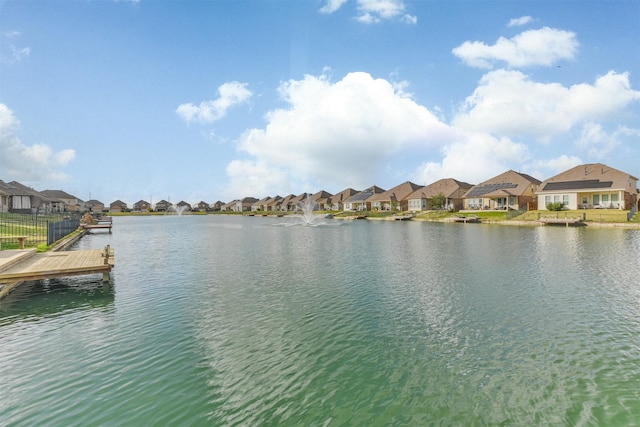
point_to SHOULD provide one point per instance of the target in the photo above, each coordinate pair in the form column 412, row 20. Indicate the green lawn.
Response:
column 589, row 215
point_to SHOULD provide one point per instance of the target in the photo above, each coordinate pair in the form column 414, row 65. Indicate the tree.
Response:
column 438, row 201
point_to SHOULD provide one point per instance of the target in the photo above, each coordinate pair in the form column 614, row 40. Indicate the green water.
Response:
column 263, row 321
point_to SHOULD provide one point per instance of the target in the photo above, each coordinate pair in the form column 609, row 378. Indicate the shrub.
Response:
column 557, row 206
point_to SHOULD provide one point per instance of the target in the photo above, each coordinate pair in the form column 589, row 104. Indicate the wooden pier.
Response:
column 17, row 266
column 561, row 221
column 466, row 219
column 104, row 223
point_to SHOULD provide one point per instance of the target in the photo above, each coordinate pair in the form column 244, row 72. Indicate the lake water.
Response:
column 223, row 321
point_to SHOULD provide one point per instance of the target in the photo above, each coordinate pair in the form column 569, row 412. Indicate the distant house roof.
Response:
column 509, row 183
column 342, row 196
column 590, row 176
column 321, row 197
column 397, row 193
column 577, row 185
column 119, row 203
column 482, row 190
column 365, row 194
column 58, row 194
column 447, row 186
column 14, row 188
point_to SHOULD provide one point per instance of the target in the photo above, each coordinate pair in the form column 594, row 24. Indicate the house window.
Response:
column 596, row 199
column 565, row 200
column 556, row 198
column 605, row 198
column 547, row 200
column 512, row 200
column 585, row 200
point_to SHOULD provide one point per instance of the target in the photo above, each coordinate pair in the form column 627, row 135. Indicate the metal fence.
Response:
column 39, row 229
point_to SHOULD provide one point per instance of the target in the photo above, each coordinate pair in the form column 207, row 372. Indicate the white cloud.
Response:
column 509, row 103
column 544, row 47
column 518, row 22
column 230, row 94
column 374, row 11
column 64, row 157
column 332, row 5
column 545, row 168
column 341, row 133
column 250, row 178
column 598, row 143
column 20, row 162
column 474, row 157
column 13, row 54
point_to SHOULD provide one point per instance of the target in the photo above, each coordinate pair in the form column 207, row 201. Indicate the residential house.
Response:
column 183, row 206
column 93, row 205
column 509, row 190
column 337, row 200
column 201, row 206
column 18, row 198
column 63, row 202
column 588, row 186
column 273, row 204
column 322, row 200
column 141, row 206
column 162, row 206
column 216, row 206
column 395, row 198
column 299, row 201
column 118, row 206
column 452, row 190
column 285, row 205
column 243, row 205
column 360, row 201
column 261, row 205
column 228, row 207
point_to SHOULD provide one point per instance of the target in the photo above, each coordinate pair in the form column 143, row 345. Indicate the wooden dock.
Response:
column 466, row 219
column 402, row 217
column 19, row 266
column 561, row 221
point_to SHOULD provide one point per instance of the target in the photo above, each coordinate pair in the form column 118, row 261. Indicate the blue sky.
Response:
column 217, row 100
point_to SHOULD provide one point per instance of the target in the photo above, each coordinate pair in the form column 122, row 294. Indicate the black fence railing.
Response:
column 36, row 228
column 58, row 229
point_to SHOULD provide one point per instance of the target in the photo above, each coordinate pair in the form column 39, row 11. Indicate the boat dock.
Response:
column 17, row 266
column 561, row 221
column 402, row 217
column 104, row 223
column 465, row 219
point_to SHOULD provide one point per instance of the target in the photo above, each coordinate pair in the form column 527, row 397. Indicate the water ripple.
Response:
column 249, row 323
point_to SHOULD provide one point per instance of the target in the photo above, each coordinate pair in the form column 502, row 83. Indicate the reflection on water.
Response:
column 240, row 321
column 44, row 298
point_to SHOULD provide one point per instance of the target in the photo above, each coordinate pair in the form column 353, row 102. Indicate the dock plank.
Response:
column 57, row 264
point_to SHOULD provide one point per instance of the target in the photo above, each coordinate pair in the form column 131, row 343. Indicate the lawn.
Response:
column 589, row 215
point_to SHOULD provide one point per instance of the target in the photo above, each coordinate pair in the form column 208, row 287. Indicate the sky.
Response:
column 225, row 99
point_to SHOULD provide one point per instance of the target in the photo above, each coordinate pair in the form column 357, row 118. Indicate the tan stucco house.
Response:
column 337, row 200
column 141, row 206
column 63, row 202
column 589, row 186
column 322, row 199
column 94, row 206
column 361, row 201
column 118, row 206
column 394, row 199
column 509, row 190
column 452, row 189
